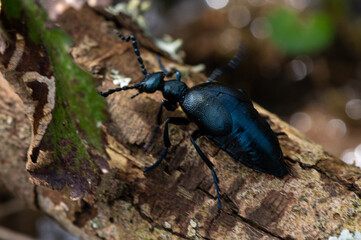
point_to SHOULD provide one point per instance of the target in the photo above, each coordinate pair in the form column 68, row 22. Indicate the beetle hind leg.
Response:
column 210, row 165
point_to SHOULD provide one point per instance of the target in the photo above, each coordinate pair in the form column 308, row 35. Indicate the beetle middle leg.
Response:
column 173, row 120
column 196, row 134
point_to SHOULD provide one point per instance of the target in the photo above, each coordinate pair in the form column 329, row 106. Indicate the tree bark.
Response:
column 176, row 200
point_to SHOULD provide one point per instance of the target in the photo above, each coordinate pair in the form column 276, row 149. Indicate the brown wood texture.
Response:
column 176, row 200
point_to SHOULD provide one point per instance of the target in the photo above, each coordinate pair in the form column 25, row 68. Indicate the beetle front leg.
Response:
column 196, row 134
column 173, row 120
column 170, row 107
column 166, row 73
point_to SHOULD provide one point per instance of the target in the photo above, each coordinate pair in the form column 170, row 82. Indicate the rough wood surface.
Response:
column 177, row 199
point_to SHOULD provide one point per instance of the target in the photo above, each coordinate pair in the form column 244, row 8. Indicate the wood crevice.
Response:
column 256, row 226
column 350, row 186
column 152, row 222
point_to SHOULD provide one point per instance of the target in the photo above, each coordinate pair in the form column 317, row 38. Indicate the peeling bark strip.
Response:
column 43, row 94
column 37, row 92
column 61, row 145
column 177, row 200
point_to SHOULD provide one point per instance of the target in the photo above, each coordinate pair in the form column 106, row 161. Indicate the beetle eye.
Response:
column 142, row 87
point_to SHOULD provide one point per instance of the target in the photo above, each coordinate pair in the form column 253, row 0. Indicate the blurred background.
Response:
column 303, row 63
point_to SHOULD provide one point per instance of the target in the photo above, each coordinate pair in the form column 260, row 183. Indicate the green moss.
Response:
column 12, row 10
column 78, row 107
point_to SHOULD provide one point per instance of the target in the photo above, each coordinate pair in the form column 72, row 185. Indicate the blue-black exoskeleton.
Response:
column 224, row 115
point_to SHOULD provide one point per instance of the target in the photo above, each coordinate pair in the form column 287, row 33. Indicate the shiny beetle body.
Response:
column 224, row 115
column 228, row 118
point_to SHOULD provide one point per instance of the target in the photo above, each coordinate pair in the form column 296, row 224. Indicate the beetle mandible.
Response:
column 224, row 115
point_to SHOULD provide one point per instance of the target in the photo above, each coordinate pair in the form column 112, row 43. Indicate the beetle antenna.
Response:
column 231, row 65
column 111, row 91
column 135, row 46
column 134, row 95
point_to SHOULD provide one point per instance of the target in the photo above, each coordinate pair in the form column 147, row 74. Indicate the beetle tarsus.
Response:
column 160, row 159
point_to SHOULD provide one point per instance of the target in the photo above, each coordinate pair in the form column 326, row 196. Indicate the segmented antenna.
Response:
column 111, row 91
column 231, row 65
column 134, row 95
column 135, row 46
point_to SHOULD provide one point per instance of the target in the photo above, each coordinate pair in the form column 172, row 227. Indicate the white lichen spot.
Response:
column 167, row 225
column 64, row 206
column 170, row 45
column 194, row 223
column 198, row 68
column 192, row 229
column 95, row 223
column 134, row 9
column 191, row 232
column 119, row 79
column 210, row 202
column 9, row 120
column 165, row 236
column 347, row 235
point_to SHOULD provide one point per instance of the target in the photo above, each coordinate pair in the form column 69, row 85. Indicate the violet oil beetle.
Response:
column 224, row 115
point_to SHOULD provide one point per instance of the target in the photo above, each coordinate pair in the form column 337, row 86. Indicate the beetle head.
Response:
column 152, row 82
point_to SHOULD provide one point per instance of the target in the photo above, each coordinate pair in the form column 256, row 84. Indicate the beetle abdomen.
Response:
column 252, row 141
column 263, row 149
column 256, row 147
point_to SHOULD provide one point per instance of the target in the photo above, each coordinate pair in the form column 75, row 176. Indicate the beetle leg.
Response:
column 196, row 134
column 166, row 73
column 156, row 128
column 173, row 120
column 170, row 107
column 231, row 65
column 178, row 76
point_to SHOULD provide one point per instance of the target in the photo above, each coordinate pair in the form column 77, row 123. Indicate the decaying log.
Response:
column 176, row 200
